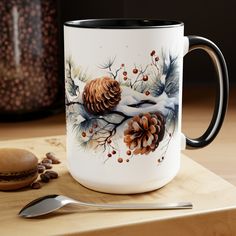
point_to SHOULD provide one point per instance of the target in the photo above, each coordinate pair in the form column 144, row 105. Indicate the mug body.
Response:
column 123, row 81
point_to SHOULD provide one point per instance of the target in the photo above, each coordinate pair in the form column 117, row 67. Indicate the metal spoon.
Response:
column 49, row 203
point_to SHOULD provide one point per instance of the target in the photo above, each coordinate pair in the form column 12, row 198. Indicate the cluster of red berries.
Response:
column 128, row 152
column 111, row 153
column 135, row 71
column 153, row 54
column 91, row 130
column 155, row 59
column 120, row 159
column 125, row 75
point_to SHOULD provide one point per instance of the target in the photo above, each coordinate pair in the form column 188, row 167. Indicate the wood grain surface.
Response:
column 214, row 201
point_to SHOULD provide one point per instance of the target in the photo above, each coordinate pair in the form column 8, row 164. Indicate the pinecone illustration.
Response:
column 101, row 95
column 145, row 132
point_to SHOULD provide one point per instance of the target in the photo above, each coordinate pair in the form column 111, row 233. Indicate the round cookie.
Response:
column 18, row 168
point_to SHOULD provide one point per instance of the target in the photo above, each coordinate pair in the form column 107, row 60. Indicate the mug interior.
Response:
column 123, row 23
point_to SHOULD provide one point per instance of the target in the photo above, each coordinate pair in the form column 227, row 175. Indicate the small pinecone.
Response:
column 145, row 132
column 101, row 95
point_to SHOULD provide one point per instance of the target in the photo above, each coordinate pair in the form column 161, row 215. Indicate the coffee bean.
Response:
column 45, row 178
column 51, row 156
column 56, row 161
column 29, row 48
column 47, row 165
column 41, row 168
column 48, row 174
column 36, row 185
column 52, row 174
column 46, row 160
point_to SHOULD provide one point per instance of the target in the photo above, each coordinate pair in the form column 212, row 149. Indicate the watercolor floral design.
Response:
column 137, row 103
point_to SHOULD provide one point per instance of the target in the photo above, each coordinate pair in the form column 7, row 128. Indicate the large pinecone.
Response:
column 101, row 95
column 145, row 132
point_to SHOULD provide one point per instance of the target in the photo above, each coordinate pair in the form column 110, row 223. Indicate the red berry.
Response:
column 113, row 152
column 120, row 160
column 156, row 58
column 128, row 152
column 125, row 78
column 152, row 53
column 145, row 78
column 95, row 126
column 109, row 155
column 127, row 160
column 125, row 73
column 109, row 141
column 122, row 65
column 91, row 130
column 147, row 93
column 83, row 134
column 135, row 70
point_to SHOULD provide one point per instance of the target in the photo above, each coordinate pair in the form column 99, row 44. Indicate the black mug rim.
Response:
column 123, row 23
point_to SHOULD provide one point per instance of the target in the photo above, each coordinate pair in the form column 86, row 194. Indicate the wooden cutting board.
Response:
column 214, row 201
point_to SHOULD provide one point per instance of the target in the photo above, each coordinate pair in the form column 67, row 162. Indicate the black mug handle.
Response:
column 221, row 101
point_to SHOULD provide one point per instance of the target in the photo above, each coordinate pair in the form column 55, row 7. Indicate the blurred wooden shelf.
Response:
column 214, row 203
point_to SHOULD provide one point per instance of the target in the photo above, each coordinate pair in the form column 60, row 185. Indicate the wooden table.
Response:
column 213, row 213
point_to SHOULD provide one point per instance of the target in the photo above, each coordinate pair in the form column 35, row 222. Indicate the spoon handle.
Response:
column 140, row 206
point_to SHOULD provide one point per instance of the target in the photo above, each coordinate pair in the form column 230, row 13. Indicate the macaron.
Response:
column 18, row 168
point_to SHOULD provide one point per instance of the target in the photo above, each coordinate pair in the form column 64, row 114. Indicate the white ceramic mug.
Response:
column 123, row 80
